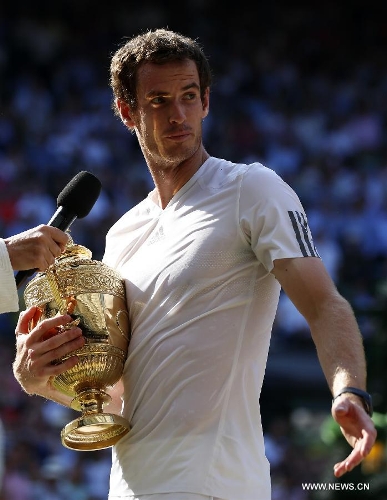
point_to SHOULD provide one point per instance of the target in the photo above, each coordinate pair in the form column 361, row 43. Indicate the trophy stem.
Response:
column 90, row 401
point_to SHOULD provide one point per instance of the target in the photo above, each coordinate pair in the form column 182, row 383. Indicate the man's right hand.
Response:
column 36, row 350
column 36, row 248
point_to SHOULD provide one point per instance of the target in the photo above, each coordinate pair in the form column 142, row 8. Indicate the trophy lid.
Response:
column 73, row 250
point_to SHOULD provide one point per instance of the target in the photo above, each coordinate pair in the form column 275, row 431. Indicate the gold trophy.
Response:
column 94, row 295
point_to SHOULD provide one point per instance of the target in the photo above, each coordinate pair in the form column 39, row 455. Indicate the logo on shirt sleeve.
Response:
column 303, row 234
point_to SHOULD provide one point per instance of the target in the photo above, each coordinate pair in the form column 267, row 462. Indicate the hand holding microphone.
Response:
column 37, row 248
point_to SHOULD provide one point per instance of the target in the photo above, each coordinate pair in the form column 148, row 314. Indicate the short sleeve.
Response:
column 272, row 217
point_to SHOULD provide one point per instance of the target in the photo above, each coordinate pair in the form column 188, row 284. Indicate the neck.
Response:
column 169, row 181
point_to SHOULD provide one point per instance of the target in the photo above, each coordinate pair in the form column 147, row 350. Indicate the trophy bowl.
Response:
column 93, row 294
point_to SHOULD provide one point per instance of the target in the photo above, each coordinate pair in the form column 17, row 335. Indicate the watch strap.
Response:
column 363, row 395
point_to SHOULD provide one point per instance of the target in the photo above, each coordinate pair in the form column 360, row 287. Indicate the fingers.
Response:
column 24, row 319
column 44, row 355
column 36, row 248
column 39, row 348
column 56, row 241
column 60, row 237
column 34, row 368
column 361, row 450
column 28, row 320
column 342, row 467
column 47, row 332
column 32, row 315
column 51, row 244
column 357, row 428
column 46, row 343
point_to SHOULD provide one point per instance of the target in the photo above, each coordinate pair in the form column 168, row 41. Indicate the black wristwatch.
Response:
column 363, row 395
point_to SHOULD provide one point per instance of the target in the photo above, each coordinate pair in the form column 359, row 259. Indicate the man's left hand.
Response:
column 357, row 428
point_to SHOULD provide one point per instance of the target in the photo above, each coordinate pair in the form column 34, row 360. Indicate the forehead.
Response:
column 153, row 77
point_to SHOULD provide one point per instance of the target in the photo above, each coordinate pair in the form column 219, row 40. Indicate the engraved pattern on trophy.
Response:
column 94, row 295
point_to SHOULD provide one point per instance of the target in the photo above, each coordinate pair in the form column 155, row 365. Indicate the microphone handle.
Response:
column 62, row 219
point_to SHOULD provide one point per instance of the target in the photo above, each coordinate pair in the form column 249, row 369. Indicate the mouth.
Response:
column 179, row 136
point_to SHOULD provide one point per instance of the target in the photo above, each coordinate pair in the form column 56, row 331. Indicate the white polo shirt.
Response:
column 202, row 303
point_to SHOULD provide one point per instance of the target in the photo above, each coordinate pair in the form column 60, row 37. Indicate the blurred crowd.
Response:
column 301, row 90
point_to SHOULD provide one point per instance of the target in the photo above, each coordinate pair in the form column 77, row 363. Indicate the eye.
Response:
column 158, row 100
column 190, row 96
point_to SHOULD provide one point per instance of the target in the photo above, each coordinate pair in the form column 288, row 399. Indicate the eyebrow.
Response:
column 156, row 93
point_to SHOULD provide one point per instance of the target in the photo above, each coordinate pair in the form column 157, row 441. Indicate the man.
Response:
column 32, row 249
column 203, row 258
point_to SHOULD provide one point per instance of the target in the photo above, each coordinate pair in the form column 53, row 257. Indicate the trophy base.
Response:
column 94, row 431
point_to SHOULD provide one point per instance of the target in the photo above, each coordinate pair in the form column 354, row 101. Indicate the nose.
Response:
column 177, row 113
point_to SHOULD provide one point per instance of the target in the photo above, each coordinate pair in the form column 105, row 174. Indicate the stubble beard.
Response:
column 172, row 158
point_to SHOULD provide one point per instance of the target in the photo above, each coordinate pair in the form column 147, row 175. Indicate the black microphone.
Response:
column 74, row 202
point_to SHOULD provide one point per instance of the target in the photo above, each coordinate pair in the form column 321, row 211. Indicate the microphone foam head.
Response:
column 80, row 194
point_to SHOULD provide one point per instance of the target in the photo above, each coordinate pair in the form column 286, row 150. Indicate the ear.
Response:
column 206, row 102
column 125, row 113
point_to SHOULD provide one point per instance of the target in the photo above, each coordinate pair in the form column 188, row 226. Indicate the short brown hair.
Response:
column 157, row 46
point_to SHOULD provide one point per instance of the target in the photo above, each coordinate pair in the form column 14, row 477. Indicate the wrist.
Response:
column 364, row 396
